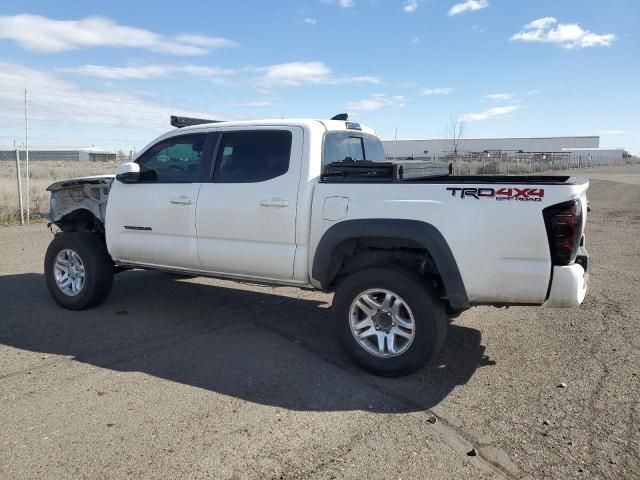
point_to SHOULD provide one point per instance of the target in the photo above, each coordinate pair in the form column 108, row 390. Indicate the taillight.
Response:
column 564, row 230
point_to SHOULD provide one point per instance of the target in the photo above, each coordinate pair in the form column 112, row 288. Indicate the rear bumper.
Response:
column 568, row 287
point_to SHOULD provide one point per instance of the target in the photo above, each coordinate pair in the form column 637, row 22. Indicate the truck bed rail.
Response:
column 391, row 172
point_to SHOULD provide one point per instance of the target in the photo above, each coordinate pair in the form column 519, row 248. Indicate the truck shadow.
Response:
column 245, row 342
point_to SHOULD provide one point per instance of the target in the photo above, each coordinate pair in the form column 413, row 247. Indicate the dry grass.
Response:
column 41, row 175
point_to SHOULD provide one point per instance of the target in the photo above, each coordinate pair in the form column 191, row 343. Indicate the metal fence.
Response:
column 71, row 155
column 503, row 163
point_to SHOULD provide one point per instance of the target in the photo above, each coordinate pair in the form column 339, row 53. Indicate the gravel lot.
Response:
column 206, row 378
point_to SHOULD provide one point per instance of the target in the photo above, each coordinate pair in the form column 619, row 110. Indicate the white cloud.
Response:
column 566, row 35
column 533, row 92
column 438, row 91
column 469, row 5
column 341, row 3
column 310, row 20
column 141, row 72
column 410, row 6
column 503, row 97
column 307, row 73
column 544, row 22
column 204, row 41
column 415, row 39
column 56, row 101
column 42, row 34
column 376, row 102
column 491, row 113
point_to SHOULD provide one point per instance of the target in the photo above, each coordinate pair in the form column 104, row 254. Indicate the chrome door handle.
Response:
column 181, row 201
column 274, row 202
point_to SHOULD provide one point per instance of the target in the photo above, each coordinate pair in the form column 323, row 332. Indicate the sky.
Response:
column 109, row 74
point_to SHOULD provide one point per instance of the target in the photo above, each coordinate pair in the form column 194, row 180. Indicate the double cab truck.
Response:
column 314, row 204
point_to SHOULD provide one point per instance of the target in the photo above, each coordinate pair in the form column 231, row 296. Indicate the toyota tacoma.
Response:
column 315, row 204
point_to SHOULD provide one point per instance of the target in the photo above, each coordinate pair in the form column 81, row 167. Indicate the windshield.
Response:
column 352, row 147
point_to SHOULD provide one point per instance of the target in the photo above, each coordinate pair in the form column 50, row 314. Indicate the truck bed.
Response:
column 494, row 224
column 393, row 172
column 508, row 179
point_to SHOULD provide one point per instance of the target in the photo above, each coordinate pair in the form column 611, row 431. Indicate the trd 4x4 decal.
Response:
column 503, row 193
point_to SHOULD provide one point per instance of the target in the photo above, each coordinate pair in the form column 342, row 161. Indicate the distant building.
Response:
column 582, row 150
column 599, row 155
column 430, row 149
column 71, row 154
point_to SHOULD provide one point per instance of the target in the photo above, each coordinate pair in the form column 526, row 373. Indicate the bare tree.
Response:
column 455, row 134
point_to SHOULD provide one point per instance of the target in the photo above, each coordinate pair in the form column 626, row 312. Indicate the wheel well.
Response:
column 354, row 244
column 80, row 220
column 363, row 252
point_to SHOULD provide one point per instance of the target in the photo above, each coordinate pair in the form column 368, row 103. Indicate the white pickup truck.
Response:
column 314, row 204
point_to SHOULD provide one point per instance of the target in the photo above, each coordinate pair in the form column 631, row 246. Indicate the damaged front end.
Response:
column 80, row 203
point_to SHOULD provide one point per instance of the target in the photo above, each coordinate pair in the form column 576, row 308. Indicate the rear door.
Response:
column 246, row 216
column 153, row 221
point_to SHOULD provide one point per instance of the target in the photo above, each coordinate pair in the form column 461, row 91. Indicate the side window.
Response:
column 175, row 160
column 252, row 156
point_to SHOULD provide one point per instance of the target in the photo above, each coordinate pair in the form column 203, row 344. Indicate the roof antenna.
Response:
column 341, row 116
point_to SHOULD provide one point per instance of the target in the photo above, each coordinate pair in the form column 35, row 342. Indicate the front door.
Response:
column 246, row 217
column 153, row 221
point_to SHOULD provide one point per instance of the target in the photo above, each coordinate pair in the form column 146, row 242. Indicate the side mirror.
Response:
column 128, row 172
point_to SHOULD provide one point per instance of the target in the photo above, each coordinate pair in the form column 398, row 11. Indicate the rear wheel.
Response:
column 389, row 320
column 78, row 270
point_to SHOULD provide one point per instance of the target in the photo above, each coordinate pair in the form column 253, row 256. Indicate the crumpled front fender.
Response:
column 88, row 193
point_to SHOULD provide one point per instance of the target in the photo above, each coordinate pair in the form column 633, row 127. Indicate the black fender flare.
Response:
column 421, row 232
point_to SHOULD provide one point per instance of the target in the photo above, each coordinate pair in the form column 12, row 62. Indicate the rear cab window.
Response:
column 352, row 147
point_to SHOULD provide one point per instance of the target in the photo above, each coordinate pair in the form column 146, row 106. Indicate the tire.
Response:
column 453, row 314
column 94, row 261
column 417, row 302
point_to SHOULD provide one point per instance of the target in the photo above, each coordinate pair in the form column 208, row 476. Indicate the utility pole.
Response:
column 395, row 145
column 26, row 149
column 19, row 183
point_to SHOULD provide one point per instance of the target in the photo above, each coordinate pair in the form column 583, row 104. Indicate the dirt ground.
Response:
column 204, row 378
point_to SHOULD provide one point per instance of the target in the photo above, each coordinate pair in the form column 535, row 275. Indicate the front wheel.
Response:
column 389, row 321
column 78, row 270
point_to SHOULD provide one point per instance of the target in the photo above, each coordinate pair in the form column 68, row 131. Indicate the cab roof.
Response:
column 327, row 125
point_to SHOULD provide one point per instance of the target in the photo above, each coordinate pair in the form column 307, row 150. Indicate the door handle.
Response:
column 274, row 202
column 181, row 201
